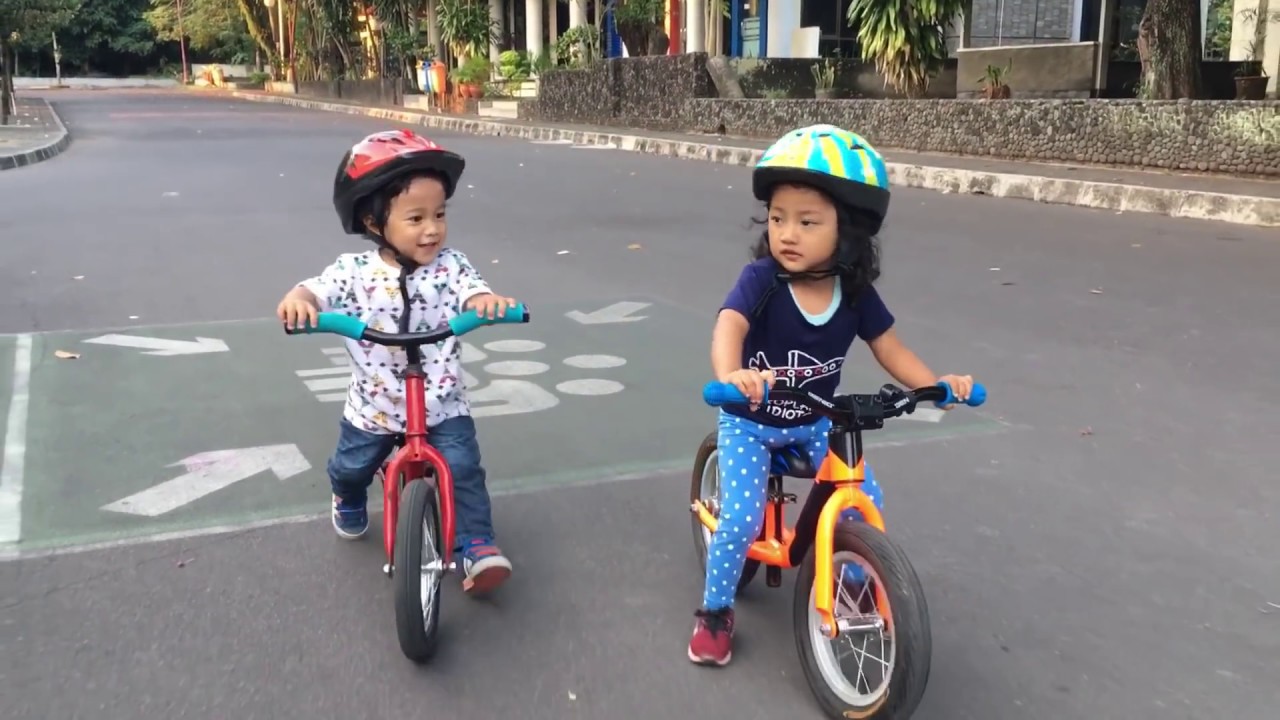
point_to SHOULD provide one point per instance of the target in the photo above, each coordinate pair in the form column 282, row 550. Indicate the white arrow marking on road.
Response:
column 209, row 472
column 163, row 346
column 615, row 313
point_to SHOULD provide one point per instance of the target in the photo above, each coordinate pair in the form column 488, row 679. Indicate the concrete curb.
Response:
column 44, row 152
column 1201, row 205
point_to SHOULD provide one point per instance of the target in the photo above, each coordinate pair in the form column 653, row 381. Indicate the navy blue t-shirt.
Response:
column 802, row 350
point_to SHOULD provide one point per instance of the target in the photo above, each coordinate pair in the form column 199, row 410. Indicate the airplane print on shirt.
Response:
column 800, row 370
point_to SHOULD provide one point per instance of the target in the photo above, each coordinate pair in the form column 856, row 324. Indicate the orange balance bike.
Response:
column 860, row 618
column 417, row 517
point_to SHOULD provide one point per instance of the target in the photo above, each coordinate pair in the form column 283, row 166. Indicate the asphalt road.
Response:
column 1093, row 542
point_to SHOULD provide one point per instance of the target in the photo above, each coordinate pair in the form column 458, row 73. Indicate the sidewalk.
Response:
column 1202, row 196
column 34, row 134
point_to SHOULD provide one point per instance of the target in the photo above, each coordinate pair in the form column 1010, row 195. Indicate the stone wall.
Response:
column 1205, row 135
column 779, row 78
column 675, row 93
column 648, row 91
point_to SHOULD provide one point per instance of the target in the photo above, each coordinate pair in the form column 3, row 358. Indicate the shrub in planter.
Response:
column 1251, row 81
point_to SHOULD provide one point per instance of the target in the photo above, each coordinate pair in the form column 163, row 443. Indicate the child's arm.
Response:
column 474, row 293
column 727, row 338
column 730, row 333
column 895, row 357
column 330, row 291
column 899, row 361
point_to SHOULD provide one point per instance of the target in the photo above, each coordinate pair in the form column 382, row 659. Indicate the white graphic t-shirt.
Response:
column 364, row 286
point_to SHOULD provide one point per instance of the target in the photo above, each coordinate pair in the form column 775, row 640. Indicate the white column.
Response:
column 695, row 32
column 577, row 13
column 496, row 15
column 533, row 27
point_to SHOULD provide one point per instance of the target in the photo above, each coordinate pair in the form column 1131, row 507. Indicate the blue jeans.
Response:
column 359, row 455
column 744, row 448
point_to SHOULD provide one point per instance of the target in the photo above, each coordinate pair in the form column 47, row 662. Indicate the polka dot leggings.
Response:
column 745, row 447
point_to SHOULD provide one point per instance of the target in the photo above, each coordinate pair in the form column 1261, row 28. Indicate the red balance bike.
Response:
column 417, row 517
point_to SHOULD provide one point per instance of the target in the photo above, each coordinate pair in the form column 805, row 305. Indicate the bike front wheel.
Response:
column 419, row 567
column 877, row 667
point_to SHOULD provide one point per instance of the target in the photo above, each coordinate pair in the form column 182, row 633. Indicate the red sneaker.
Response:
column 712, row 641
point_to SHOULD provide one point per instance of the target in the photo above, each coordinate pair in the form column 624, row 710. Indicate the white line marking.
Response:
column 337, row 383
column 332, row 397
column 15, row 444
column 323, row 371
column 551, row 142
column 163, row 346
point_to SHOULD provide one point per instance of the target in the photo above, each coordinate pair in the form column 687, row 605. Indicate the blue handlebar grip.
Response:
column 335, row 323
column 721, row 393
column 470, row 320
column 976, row 397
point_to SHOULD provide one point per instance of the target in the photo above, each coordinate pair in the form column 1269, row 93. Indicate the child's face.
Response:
column 802, row 228
column 416, row 225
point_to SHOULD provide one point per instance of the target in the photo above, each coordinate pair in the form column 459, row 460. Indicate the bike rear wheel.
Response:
column 885, row 685
column 418, row 570
column 705, row 487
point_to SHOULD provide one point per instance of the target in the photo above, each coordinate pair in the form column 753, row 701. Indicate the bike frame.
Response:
column 837, row 483
column 415, row 455
column 837, row 487
column 412, row 460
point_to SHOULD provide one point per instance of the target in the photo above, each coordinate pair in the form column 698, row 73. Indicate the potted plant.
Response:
column 993, row 82
column 1251, row 79
column 824, row 79
column 471, row 76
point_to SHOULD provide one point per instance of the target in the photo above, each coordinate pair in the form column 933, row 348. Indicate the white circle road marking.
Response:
column 590, row 386
column 595, row 362
column 516, row 368
column 514, row 345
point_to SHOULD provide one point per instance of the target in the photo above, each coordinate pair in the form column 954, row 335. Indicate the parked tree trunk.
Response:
column 6, row 79
column 1169, row 48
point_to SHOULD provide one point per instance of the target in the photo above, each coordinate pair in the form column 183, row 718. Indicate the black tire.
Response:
column 910, row 621
column 751, row 567
column 418, row 508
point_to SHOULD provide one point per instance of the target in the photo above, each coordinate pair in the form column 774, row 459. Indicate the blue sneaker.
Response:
column 350, row 518
column 484, row 567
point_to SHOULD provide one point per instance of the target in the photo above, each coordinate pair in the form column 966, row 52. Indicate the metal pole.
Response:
column 182, row 44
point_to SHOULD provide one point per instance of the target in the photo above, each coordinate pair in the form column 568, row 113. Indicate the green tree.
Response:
column 103, row 28
column 215, row 27
column 22, row 19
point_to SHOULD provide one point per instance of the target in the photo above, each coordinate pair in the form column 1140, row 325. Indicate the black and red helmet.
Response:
column 382, row 157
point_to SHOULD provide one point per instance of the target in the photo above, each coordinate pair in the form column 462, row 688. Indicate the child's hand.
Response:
column 489, row 306
column 297, row 305
column 751, row 382
column 961, row 386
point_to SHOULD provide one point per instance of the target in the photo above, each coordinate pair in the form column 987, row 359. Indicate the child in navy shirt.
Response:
column 791, row 318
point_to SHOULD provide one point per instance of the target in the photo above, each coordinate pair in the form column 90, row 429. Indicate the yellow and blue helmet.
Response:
column 839, row 162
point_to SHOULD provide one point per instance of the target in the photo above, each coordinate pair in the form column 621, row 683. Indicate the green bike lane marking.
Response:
column 558, row 402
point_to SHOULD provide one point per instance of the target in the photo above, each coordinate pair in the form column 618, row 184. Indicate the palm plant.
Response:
column 906, row 39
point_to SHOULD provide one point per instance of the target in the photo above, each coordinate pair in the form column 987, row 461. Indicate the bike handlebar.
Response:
column 893, row 400
column 356, row 329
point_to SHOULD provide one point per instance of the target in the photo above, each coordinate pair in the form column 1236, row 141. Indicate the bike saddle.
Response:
column 792, row 462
